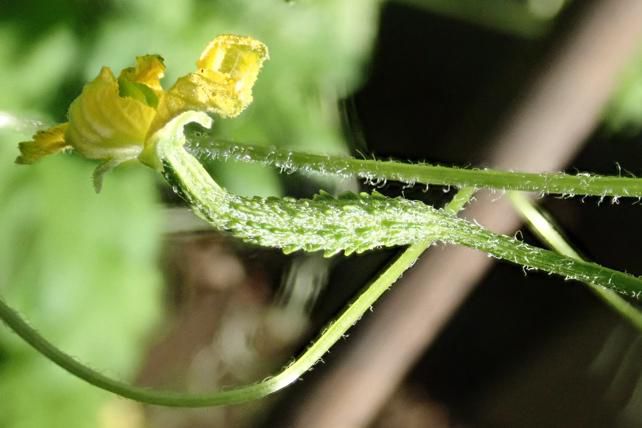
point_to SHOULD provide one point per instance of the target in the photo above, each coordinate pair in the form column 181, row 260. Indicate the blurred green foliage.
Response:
column 82, row 267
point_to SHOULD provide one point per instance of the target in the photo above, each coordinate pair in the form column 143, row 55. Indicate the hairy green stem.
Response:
column 547, row 232
column 506, row 248
column 204, row 147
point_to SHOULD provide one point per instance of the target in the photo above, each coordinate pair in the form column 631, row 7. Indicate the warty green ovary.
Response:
column 352, row 223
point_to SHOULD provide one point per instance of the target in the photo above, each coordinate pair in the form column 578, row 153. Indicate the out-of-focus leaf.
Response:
column 81, row 267
column 33, row 72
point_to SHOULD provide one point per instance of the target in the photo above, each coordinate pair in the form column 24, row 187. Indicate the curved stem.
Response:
column 335, row 331
column 204, row 147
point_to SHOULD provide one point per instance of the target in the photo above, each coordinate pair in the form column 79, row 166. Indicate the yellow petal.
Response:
column 227, row 71
column 237, row 59
column 104, row 125
column 44, row 143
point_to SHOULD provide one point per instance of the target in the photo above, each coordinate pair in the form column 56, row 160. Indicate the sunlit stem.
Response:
column 205, row 147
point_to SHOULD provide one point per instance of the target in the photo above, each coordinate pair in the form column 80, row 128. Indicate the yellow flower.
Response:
column 222, row 84
column 113, row 120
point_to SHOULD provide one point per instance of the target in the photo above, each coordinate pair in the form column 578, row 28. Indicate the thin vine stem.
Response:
column 540, row 224
column 330, row 335
column 205, row 147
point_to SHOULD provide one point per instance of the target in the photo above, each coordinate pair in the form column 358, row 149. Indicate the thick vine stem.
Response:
column 204, row 147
